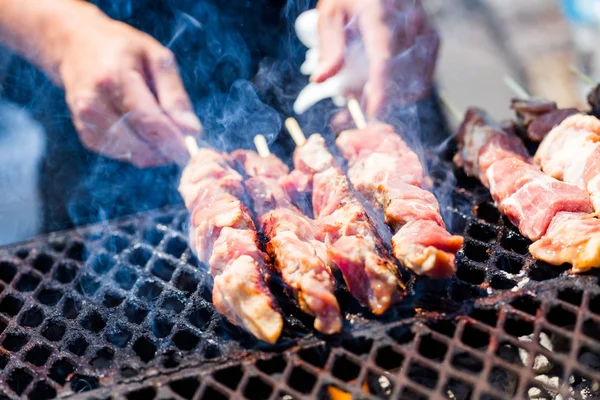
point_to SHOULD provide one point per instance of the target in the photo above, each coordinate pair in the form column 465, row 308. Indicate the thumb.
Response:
column 171, row 93
column 332, row 37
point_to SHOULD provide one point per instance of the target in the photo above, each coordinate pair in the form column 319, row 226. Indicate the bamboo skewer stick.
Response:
column 357, row 114
column 295, row 131
column 192, row 145
column 261, row 146
column 583, row 76
column 450, row 107
column 516, row 87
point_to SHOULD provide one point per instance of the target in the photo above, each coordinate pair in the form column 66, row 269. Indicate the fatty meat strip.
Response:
column 352, row 242
column 224, row 236
column 387, row 172
column 571, row 153
column 555, row 215
column 298, row 256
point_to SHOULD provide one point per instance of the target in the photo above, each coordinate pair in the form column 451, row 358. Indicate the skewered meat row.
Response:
column 299, row 257
column 352, row 242
column 571, row 153
column 555, row 215
column 387, row 172
column 224, row 237
column 569, row 141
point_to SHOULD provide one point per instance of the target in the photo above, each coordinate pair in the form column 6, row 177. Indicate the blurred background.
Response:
column 532, row 41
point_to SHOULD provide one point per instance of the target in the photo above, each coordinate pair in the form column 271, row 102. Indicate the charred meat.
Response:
column 536, row 117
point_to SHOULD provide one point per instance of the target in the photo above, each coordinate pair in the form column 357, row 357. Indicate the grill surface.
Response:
column 122, row 310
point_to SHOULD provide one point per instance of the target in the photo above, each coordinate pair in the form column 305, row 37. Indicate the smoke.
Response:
column 22, row 145
column 421, row 123
column 232, row 58
column 233, row 119
column 240, row 64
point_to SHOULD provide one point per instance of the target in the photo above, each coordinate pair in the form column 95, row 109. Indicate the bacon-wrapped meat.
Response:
column 224, row 237
column 530, row 198
column 386, row 171
column 299, row 257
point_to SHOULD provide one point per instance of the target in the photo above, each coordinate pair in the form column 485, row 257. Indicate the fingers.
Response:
column 378, row 38
column 170, row 91
column 143, row 114
column 103, row 130
column 332, row 40
column 376, row 89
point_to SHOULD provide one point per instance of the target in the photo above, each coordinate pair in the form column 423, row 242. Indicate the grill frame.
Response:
column 496, row 277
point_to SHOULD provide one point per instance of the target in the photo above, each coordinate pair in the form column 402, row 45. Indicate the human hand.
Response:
column 400, row 43
column 125, row 93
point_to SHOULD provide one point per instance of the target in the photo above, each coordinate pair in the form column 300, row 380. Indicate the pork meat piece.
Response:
column 239, row 291
column 426, row 248
column 297, row 254
column 208, row 218
column 482, row 140
column 531, row 199
column 570, row 153
column 542, row 125
column 572, row 238
column 591, row 178
column 528, row 110
column 388, row 173
column 206, row 169
column 368, row 271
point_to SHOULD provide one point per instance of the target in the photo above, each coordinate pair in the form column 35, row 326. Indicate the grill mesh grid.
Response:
column 123, row 310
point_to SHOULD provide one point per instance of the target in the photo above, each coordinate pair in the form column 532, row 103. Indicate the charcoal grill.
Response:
column 121, row 310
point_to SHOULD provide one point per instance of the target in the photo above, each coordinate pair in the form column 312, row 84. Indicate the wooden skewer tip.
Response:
column 357, row 114
column 191, row 145
column 583, row 76
column 295, row 131
column 260, row 142
column 516, row 87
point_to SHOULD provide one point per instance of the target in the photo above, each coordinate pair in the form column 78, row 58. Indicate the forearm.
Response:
column 40, row 30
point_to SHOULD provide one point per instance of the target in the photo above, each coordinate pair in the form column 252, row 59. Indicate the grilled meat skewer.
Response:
column 555, row 215
column 223, row 235
column 387, row 172
column 298, row 256
column 352, row 242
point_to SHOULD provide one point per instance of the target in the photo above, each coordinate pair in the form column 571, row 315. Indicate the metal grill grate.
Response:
column 122, row 310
